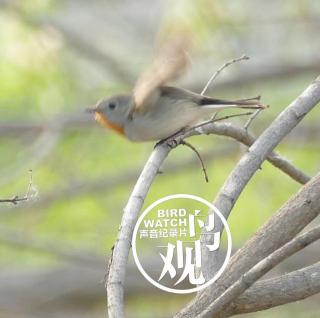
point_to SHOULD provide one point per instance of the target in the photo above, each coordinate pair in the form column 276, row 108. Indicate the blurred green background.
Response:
column 58, row 57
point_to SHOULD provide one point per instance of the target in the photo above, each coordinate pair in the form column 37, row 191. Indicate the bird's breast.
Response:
column 103, row 121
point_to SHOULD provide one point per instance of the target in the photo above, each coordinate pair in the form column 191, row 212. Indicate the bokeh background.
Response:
column 58, row 57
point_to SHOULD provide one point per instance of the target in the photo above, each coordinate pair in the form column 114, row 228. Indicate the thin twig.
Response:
column 15, row 200
column 214, row 119
column 251, row 119
column 29, row 185
column 225, row 65
column 183, row 142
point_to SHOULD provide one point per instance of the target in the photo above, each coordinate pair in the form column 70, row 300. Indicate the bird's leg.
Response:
column 171, row 140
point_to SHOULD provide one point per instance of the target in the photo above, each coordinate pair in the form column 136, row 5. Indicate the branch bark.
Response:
column 242, row 136
column 117, row 265
column 277, row 291
column 298, row 212
column 261, row 268
column 232, row 189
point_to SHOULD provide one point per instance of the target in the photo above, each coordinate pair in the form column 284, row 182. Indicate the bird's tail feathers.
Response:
column 249, row 103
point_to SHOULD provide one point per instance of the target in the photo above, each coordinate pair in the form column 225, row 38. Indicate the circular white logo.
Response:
column 168, row 231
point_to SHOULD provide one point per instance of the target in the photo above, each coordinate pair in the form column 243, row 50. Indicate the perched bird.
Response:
column 155, row 111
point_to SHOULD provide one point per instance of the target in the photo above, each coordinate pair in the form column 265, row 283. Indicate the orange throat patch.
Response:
column 103, row 121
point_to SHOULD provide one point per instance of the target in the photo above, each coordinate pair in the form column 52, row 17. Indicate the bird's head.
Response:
column 112, row 112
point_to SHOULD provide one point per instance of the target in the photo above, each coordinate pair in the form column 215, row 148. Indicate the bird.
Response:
column 156, row 111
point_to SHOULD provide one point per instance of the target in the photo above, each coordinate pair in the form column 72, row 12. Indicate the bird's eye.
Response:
column 112, row 105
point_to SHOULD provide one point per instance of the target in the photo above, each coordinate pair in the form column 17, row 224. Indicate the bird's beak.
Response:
column 92, row 110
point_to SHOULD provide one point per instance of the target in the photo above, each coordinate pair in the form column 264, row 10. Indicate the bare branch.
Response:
column 117, row 268
column 225, row 65
column 251, row 119
column 31, row 192
column 15, row 200
column 277, row 291
column 261, row 268
column 262, row 74
column 232, row 189
column 241, row 135
column 298, row 212
column 200, row 159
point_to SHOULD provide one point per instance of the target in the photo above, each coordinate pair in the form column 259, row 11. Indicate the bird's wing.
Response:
column 169, row 64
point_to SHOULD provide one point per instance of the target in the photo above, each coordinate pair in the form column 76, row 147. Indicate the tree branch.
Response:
column 242, row 136
column 298, row 212
column 277, row 291
column 232, row 189
column 117, row 268
column 31, row 193
column 15, row 200
column 257, row 271
column 225, row 65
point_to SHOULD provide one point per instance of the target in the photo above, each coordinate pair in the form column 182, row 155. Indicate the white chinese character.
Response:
column 153, row 233
column 183, row 262
column 183, row 232
column 163, row 232
column 144, row 233
column 209, row 227
column 173, row 232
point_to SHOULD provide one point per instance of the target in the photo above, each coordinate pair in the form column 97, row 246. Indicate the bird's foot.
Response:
column 172, row 141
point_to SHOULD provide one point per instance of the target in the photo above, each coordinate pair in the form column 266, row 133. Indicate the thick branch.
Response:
column 273, row 292
column 236, row 182
column 257, row 271
column 117, row 269
column 299, row 211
